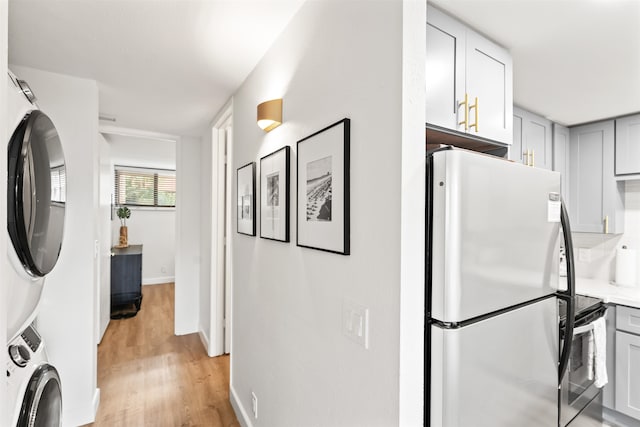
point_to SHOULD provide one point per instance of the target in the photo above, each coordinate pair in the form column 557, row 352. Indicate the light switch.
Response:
column 355, row 323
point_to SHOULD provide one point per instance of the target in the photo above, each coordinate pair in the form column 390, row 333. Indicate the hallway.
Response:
column 150, row 377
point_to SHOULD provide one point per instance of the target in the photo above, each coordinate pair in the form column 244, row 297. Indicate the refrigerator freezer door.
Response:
column 494, row 234
column 499, row 372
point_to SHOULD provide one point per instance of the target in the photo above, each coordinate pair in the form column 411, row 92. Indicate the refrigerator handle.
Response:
column 569, row 295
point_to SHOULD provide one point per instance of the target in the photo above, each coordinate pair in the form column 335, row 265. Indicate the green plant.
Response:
column 124, row 213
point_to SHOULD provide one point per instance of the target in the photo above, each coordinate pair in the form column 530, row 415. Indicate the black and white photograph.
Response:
column 319, row 190
column 323, row 189
column 273, row 189
column 274, row 195
column 246, row 196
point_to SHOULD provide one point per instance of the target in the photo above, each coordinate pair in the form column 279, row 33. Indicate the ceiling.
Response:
column 574, row 61
column 169, row 65
column 164, row 66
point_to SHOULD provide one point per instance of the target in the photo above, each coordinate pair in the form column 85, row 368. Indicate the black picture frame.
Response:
column 323, row 189
column 246, row 199
column 274, row 183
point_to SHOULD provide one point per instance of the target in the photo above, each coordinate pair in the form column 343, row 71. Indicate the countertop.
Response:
column 613, row 294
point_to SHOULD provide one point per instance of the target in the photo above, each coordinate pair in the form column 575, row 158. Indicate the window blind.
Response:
column 145, row 187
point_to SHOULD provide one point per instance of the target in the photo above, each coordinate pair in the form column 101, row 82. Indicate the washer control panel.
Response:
column 31, row 338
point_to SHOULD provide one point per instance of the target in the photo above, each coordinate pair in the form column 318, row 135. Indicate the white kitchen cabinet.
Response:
column 469, row 80
column 596, row 199
column 532, row 139
column 627, row 386
column 561, row 156
column 628, row 145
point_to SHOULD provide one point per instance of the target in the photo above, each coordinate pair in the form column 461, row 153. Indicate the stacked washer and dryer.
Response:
column 36, row 196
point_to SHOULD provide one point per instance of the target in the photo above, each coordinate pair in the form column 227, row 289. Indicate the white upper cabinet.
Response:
column 628, row 145
column 469, row 80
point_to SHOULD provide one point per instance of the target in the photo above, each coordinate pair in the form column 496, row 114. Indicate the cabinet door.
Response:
column 516, row 151
column 561, row 158
column 627, row 395
column 444, row 69
column 596, row 199
column 628, row 145
column 489, row 79
column 538, row 140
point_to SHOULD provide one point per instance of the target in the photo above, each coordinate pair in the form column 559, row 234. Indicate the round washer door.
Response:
column 42, row 404
column 36, row 193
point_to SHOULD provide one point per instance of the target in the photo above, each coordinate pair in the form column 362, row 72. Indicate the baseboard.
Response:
column 158, row 280
column 96, row 403
column 244, row 419
column 205, row 341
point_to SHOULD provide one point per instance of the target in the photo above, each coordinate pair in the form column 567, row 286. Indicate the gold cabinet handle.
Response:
column 526, row 158
column 533, row 158
column 465, row 122
column 475, row 110
column 606, row 224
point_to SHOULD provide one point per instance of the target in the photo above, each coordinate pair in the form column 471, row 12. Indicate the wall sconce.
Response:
column 270, row 114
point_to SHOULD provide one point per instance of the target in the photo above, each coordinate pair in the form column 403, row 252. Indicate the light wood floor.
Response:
column 149, row 377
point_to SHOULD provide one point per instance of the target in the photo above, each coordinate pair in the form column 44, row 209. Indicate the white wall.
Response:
column 68, row 315
column 335, row 60
column 151, row 227
column 602, row 247
column 4, row 25
column 188, row 234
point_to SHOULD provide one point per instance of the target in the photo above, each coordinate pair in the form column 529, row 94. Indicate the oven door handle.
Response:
column 569, row 295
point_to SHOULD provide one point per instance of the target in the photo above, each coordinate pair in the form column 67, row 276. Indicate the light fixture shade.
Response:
column 270, row 114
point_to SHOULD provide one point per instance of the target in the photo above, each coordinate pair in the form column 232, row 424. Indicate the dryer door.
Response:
column 42, row 404
column 36, row 193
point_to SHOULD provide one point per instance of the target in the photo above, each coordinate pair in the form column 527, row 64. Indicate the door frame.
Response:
column 221, row 279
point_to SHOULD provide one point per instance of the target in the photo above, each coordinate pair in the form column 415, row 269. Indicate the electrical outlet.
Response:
column 254, row 405
column 584, row 254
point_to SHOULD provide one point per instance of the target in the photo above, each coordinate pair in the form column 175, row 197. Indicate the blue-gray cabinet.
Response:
column 126, row 281
column 561, row 157
column 469, row 80
column 596, row 199
column 627, row 375
column 532, row 139
column 628, row 145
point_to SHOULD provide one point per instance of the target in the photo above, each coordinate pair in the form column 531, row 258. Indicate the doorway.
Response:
column 221, row 277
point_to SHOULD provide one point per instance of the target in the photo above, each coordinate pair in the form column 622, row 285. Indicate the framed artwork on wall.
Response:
column 322, row 174
column 274, row 195
column 246, row 191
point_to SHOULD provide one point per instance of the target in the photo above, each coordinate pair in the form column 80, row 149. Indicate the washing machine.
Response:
column 32, row 383
column 36, row 198
column 36, row 194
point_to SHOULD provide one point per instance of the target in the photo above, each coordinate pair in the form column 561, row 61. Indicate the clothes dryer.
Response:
column 36, row 197
column 33, row 385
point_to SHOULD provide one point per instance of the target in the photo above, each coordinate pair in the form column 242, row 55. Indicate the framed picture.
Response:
column 322, row 210
column 274, row 195
column 247, row 199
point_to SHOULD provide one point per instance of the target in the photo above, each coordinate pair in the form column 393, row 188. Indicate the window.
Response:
column 145, row 187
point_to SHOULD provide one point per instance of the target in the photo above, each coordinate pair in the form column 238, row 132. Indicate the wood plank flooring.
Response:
column 150, row 377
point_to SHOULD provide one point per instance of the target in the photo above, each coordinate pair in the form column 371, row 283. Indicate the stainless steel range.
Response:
column 580, row 399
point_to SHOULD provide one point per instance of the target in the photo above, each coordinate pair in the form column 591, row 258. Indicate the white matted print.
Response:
column 323, row 189
column 246, row 194
column 274, row 195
